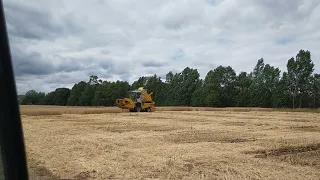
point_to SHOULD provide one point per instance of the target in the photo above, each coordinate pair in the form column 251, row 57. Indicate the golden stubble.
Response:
column 228, row 144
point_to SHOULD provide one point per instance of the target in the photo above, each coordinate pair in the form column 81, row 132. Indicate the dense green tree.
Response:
column 58, row 97
column 106, row 93
column 220, row 87
column 182, row 86
column 87, row 95
column 242, row 94
column 300, row 75
column 271, row 77
column 49, row 98
column 315, row 90
column 61, row 96
column 76, row 92
column 281, row 93
column 32, row 97
column 141, row 82
column 156, row 86
column 257, row 91
column 198, row 96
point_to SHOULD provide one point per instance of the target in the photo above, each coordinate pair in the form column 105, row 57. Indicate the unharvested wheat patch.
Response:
column 193, row 169
column 37, row 171
column 43, row 118
column 90, row 147
column 184, row 117
column 252, row 117
column 237, row 140
column 159, row 117
column 63, row 119
column 196, row 136
column 262, row 124
column 308, row 158
column 98, row 123
column 128, row 127
column 150, row 127
column 307, row 155
column 204, row 114
column 234, row 123
column 306, row 128
column 285, row 150
column 297, row 120
column 191, row 164
column 194, row 120
column 41, row 113
column 86, row 175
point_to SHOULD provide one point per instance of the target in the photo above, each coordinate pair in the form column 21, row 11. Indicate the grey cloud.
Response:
column 293, row 10
column 204, row 64
column 33, row 63
column 107, row 69
column 30, row 64
column 67, row 64
column 104, row 51
column 62, row 67
column 281, row 8
column 180, row 14
column 101, row 73
column 125, row 77
column 107, row 64
column 60, row 44
column 30, row 23
column 152, row 63
column 66, row 78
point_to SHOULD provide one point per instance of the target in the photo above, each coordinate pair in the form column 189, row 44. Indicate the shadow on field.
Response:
column 306, row 155
column 39, row 172
column 196, row 136
column 306, row 128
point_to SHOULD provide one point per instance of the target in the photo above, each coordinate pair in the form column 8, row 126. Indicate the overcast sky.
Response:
column 56, row 43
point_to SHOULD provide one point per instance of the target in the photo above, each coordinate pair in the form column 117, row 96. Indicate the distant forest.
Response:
column 266, row 86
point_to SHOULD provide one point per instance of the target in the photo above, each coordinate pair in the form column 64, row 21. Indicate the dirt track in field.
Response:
column 176, row 145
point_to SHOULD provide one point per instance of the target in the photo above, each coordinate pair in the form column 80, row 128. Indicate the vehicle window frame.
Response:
column 11, row 134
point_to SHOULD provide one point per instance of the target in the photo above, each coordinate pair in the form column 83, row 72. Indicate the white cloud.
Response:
column 123, row 39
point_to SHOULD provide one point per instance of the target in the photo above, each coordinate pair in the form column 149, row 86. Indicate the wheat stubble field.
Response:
column 165, row 144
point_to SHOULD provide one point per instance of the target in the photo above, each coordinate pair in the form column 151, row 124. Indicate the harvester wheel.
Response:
column 137, row 108
column 149, row 110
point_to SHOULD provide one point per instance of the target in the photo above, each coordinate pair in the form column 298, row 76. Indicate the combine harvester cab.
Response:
column 137, row 101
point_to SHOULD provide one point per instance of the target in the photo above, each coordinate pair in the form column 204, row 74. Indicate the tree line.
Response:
column 266, row 86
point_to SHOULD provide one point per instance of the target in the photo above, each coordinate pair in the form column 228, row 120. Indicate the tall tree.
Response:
column 271, row 77
column 187, row 82
column 315, row 92
column 257, row 90
column 281, row 93
column 76, row 92
column 242, row 84
column 32, row 97
column 87, row 95
column 219, row 86
column 61, row 96
column 300, row 75
column 198, row 96
column 141, row 82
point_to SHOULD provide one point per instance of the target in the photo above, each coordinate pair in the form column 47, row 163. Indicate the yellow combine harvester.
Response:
column 137, row 101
